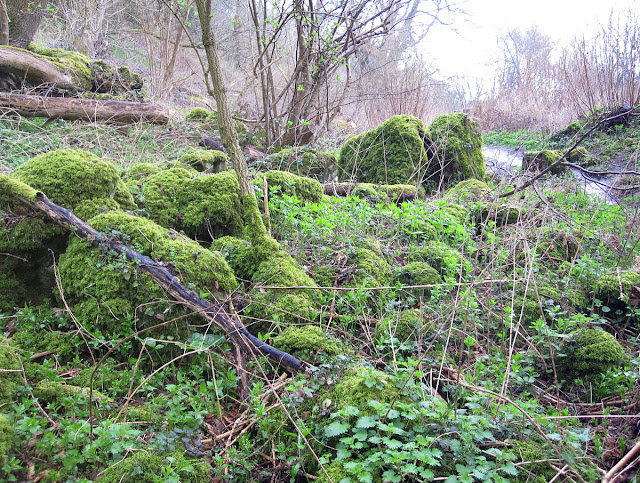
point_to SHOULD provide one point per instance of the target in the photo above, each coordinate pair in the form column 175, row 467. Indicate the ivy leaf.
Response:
column 366, row 422
column 336, row 428
column 391, row 476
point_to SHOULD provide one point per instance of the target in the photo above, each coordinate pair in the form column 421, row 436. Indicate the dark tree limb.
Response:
column 244, row 342
column 73, row 108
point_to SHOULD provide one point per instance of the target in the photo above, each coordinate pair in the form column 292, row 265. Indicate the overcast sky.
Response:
column 467, row 51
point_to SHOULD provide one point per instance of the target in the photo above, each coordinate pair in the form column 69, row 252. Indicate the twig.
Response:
column 617, row 468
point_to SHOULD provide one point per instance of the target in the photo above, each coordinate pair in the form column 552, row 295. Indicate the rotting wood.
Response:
column 34, row 69
column 244, row 342
column 72, row 108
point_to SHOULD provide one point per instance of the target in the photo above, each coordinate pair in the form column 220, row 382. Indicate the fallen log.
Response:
column 344, row 189
column 243, row 341
column 34, row 69
column 72, row 109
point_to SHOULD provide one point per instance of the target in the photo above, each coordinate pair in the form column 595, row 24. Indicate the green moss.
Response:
column 208, row 160
column 197, row 114
column 77, row 65
column 359, row 385
column 144, row 467
column 370, row 193
column 142, row 171
column 51, row 392
column 457, row 212
column 238, row 254
column 60, row 344
column 418, row 273
column 107, row 379
column 406, row 326
column 468, row 191
column 69, row 176
column 114, row 82
column 590, row 352
column 558, row 246
column 11, row 188
column 531, row 450
column 90, row 208
column 613, row 289
column 392, row 153
column 496, row 214
column 304, row 161
column 540, row 160
column 110, row 295
column 368, row 268
column 455, row 148
column 306, row 341
column 306, row 190
column 201, row 206
column 445, row 260
column 398, row 192
column 9, row 381
column 7, row 442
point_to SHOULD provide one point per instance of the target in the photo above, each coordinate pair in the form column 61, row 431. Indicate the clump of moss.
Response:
column 90, row 208
column 306, row 190
column 50, row 392
column 60, row 344
column 445, row 260
column 238, row 253
column 392, row 153
column 418, row 273
column 113, row 297
column 306, row 341
column 613, row 289
column 407, row 326
column 591, row 352
column 200, row 206
column 455, row 148
column 468, row 191
column 369, row 268
column 497, row 214
column 9, row 381
column 144, row 467
column 359, row 385
column 558, row 246
column 370, row 193
column 142, row 171
column 75, row 64
column 210, row 161
column 541, row 160
column 400, row 192
column 69, row 176
column 305, row 161
column 197, row 114
column 7, row 441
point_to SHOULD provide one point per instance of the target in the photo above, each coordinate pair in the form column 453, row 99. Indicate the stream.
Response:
column 505, row 162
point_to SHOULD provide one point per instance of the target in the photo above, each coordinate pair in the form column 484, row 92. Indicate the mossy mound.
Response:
column 406, row 326
column 591, row 352
column 418, row 273
column 142, row 171
column 359, row 385
column 201, row 206
column 613, row 289
column 445, row 260
column 76, row 65
column 304, row 161
column 7, row 442
column 108, row 293
column 69, row 176
column 455, row 149
column 144, row 467
column 9, row 381
column 306, row 342
column 371, row 193
column 238, row 254
column 58, row 343
column 537, row 304
column 468, row 191
column 89, row 208
column 197, row 114
column 557, row 246
column 205, row 160
column 306, row 190
column 392, row 153
column 541, row 160
column 368, row 268
column 495, row 214
column 51, row 392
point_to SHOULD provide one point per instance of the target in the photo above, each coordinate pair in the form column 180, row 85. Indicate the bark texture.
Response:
column 34, row 69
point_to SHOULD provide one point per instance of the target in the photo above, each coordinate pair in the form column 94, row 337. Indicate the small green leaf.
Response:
column 391, row 476
column 366, row 422
column 336, row 428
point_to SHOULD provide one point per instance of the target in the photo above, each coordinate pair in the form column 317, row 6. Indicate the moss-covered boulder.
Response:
column 207, row 160
column 306, row 342
column 7, row 442
column 305, row 161
column 495, row 214
column 202, row 206
column 418, row 273
column 370, row 193
column 359, row 385
column 445, row 260
column 468, row 192
column 541, row 160
column 366, row 267
column 557, row 246
column 306, row 190
column 197, row 114
column 455, row 148
column 148, row 467
column 392, row 153
column 407, row 326
column 112, row 297
column 613, row 289
column 591, row 352
column 9, row 381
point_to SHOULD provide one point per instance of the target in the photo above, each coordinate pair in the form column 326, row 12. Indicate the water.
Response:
column 504, row 162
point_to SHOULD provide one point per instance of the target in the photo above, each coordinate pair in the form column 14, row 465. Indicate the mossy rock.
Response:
column 456, row 212
column 197, row 114
column 59, row 344
column 89, row 208
column 110, row 295
column 497, row 214
column 202, row 206
column 407, row 326
column 146, row 467
column 108, row 379
column 368, row 268
column 306, row 190
column 238, row 254
column 142, row 171
column 359, row 385
column 75, row 64
column 306, row 342
column 455, row 149
column 7, row 442
column 535, row 307
column 371, row 193
column 541, row 160
column 392, row 153
column 400, row 192
column 9, row 381
column 591, row 352
column 205, row 160
column 613, row 289
column 115, row 81
column 304, row 161
column 51, row 392
column 557, row 246
column 418, row 273
column 468, row 192
column 445, row 260
column 69, row 176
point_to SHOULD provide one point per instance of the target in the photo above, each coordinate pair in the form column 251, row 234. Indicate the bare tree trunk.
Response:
column 24, row 19
column 4, row 23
